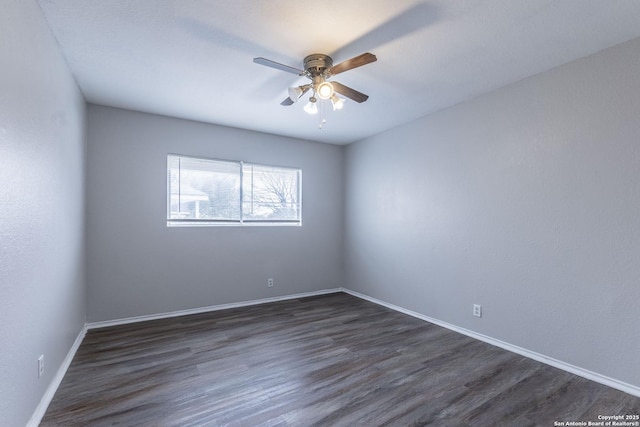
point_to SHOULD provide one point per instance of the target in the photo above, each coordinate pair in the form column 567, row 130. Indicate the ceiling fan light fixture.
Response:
column 295, row 93
column 337, row 103
column 325, row 90
column 311, row 107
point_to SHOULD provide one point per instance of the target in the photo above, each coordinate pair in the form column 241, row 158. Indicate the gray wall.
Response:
column 42, row 298
column 525, row 200
column 136, row 265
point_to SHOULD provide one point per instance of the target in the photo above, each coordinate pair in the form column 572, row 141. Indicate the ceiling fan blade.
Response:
column 349, row 93
column 278, row 66
column 357, row 61
column 287, row 101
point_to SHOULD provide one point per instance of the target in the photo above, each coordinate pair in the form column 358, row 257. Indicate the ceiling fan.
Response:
column 319, row 69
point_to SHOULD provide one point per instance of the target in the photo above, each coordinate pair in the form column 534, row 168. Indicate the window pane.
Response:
column 270, row 193
column 203, row 189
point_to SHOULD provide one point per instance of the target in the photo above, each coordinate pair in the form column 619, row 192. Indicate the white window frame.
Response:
column 190, row 222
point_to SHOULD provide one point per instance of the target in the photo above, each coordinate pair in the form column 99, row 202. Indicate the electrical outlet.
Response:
column 270, row 283
column 40, row 365
column 477, row 310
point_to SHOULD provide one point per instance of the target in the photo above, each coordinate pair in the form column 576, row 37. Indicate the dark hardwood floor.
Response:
column 332, row 360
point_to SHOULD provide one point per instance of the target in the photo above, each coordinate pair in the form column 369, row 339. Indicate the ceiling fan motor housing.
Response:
column 317, row 63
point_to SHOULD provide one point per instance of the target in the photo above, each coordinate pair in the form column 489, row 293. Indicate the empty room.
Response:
column 334, row 213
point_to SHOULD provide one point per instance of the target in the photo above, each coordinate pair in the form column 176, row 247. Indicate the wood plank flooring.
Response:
column 332, row 360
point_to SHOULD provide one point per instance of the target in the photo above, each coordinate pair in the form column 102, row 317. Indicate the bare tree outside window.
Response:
column 271, row 193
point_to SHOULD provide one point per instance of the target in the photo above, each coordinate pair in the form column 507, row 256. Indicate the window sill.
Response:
column 173, row 224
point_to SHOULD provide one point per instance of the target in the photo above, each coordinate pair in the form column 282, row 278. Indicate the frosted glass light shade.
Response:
column 337, row 103
column 311, row 106
column 295, row 93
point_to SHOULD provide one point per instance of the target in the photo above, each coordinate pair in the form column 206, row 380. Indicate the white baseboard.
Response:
column 128, row 320
column 36, row 418
column 593, row 376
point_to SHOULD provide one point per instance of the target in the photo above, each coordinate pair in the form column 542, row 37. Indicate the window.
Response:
column 217, row 192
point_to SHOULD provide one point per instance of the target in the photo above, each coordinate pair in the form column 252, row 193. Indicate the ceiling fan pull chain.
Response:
column 323, row 119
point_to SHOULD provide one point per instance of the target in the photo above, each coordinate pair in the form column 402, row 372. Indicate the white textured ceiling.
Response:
column 193, row 58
